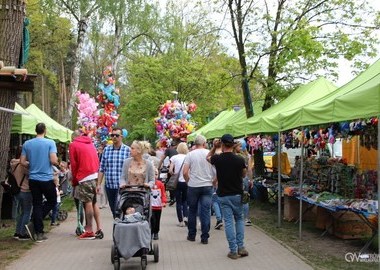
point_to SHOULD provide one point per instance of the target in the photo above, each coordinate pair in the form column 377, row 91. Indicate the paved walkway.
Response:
column 64, row 251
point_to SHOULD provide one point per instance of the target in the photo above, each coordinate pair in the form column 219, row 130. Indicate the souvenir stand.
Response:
column 362, row 93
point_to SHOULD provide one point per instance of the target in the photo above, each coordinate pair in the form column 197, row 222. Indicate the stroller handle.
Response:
column 134, row 187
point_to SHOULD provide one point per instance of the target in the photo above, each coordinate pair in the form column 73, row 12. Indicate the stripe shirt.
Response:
column 111, row 164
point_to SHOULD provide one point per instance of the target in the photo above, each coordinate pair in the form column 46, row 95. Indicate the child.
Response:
column 55, row 210
column 131, row 216
column 158, row 200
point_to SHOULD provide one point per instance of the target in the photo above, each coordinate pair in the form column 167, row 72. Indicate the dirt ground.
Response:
column 322, row 252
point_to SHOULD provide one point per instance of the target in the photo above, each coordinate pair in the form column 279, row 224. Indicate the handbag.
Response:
column 10, row 184
column 171, row 184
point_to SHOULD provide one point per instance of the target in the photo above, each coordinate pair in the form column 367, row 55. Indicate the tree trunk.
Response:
column 74, row 84
column 116, row 47
column 11, row 23
column 237, row 27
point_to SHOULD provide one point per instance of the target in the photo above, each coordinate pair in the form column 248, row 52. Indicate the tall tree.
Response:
column 81, row 11
column 284, row 42
column 12, row 16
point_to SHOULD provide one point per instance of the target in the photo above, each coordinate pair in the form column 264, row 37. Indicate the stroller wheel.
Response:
column 156, row 252
column 78, row 231
column 116, row 264
column 62, row 215
column 144, row 262
column 114, row 254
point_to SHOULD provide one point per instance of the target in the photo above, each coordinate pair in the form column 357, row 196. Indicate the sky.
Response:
column 345, row 72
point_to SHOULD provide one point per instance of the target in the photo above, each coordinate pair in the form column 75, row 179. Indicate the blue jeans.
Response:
column 112, row 195
column 216, row 207
column 203, row 196
column 24, row 210
column 40, row 210
column 54, row 213
column 232, row 210
column 181, row 200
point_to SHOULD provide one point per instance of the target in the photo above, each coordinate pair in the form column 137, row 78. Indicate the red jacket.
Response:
column 157, row 195
column 83, row 158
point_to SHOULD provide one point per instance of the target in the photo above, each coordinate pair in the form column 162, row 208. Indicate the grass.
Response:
column 327, row 252
column 11, row 249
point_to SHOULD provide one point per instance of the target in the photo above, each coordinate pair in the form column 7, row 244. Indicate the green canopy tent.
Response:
column 55, row 130
column 23, row 122
column 221, row 117
column 226, row 126
column 269, row 120
column 359, row 98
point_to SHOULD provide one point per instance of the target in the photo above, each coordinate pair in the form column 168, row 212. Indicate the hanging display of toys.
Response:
column 258, row 142
column 318, row 138
column 174, row 121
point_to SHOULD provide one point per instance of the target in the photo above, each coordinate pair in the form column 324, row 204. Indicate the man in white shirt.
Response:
column 198, row 174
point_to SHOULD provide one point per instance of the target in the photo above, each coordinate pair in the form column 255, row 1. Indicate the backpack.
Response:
column 10, row 183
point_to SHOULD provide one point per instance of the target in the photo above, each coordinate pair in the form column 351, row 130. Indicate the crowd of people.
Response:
column 210, row 181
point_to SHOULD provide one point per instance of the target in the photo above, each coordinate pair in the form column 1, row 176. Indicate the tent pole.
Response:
column 300, row 187
column 279, row 192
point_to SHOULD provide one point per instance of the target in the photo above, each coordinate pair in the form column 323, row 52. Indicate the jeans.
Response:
column 40, row 210
column 54, row 213
column 232, row 210
column 112, row 195
column 24, row 210
column 216, row 207
column 203, row 196
column 181, row 200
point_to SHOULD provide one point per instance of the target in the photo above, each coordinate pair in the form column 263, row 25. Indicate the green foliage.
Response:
column 50, row 37
column 293, row 42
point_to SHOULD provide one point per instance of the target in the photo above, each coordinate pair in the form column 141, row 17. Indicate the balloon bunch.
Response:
column 174, row 120
column 87, row 113
column 109, row 100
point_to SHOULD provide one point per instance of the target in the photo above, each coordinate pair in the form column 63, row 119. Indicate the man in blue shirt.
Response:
column 111, row 165
column 40, row 154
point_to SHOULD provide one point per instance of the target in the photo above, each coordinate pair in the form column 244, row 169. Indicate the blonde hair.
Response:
column 182, row 148
column 141, row 146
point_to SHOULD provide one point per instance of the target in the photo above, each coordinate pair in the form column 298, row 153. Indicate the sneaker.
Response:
column 248, row 222
column 87, row 236
column 171, row 202
column 204, row 241
column 99, row 234
column 155, row 236
column 185, row 221
column 54, row 224
column 16, row 236
column 23, row 237
column 218, row 225
column 30, row 230
column 41, row 238
column 242, row 252
column 191, row 239
column 232, row 255
column 181, row 224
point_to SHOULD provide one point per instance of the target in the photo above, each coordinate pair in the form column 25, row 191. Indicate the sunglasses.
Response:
column 115, row 135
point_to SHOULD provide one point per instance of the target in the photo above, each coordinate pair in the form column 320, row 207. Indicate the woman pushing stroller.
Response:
column 132, row 231
column 137, row 171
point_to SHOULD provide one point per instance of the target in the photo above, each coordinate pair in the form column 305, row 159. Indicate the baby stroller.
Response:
column 132, row 237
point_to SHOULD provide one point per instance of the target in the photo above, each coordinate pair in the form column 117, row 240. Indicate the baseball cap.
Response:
column 227, row 138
